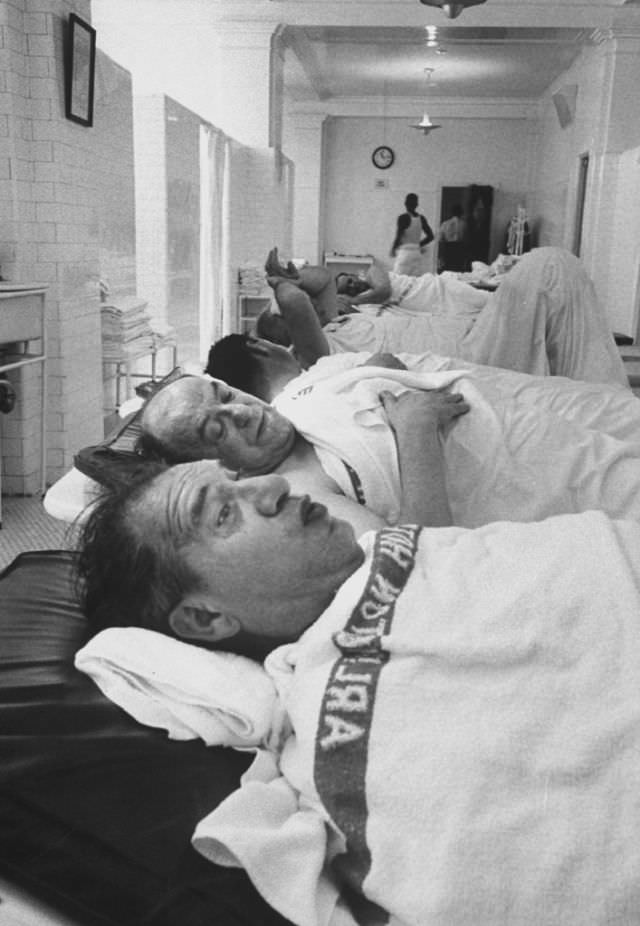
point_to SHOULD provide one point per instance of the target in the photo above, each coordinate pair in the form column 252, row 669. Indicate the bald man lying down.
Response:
column 528, row 447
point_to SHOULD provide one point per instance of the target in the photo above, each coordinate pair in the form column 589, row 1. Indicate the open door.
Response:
column 583, row 170
column 476, row 202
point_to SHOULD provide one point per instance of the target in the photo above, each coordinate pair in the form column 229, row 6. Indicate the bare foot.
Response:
column 274, row 267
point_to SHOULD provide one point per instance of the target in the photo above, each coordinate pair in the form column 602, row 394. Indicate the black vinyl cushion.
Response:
column 116, row 460
column 97, row 811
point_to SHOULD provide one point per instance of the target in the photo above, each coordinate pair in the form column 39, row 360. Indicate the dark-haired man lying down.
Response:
column 463, row 735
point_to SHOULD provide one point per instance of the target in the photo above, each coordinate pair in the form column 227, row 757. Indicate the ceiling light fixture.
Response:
column 452, row 10
column 426, row 125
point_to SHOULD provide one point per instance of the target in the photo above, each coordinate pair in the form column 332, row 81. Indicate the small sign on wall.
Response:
column 380, row 184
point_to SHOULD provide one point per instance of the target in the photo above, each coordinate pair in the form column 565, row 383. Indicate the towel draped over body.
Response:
column 529, row 447
column 466, row 737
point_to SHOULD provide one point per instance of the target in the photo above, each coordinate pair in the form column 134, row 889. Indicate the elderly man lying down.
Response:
column 544, row 318
column 462, row 734
column 529, row 447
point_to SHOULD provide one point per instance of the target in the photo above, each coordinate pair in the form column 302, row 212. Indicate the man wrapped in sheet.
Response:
column 545, row 318
column 463, row 735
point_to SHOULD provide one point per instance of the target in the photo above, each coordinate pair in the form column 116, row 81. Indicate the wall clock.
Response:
column 383, row 157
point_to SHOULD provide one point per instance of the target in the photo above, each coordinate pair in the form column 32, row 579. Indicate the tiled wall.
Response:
column 67, row 217
column 261, row 209
column 70, row 207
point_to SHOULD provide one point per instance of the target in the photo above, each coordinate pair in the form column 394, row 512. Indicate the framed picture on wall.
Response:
column 80, row 68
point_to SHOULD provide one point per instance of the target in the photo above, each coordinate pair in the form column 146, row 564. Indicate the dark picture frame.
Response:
column 80, row 70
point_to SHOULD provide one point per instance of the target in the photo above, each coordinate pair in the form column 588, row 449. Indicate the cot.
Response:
column 97, row 811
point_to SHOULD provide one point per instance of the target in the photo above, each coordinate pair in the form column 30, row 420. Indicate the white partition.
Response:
column 624, row 288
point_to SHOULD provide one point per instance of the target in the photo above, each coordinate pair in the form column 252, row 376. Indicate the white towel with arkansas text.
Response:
column 466, row 737
column 530, row 446
column 190, row 692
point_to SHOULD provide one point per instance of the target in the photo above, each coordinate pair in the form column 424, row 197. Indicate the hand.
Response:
column 275, row 268
column 344, row 305
column 388, row 361
column 418, row 405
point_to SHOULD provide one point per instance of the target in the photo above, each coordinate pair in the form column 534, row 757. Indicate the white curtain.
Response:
column 229, row 310
column 213, row 232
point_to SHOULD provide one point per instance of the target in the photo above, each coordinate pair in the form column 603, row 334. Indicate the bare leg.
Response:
column 301, row 319
column 316, row 282
column 545, row 319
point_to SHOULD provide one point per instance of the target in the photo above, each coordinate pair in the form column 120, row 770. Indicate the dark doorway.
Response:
column 476, row 202
column 583, row 170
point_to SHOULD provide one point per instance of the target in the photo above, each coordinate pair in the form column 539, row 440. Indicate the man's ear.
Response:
column 257, row 347
column 200, row 624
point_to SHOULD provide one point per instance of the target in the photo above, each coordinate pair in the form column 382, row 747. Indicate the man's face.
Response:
column 272, row 327
column 272, row 560
column 206, row 419
column 351, row 285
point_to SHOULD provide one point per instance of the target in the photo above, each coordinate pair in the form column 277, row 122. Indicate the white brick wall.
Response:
column 54, row 193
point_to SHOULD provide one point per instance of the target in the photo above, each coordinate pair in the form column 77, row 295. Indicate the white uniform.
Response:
column 408, row 254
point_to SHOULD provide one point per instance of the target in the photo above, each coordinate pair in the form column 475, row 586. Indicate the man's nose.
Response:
column 240, row 414
column 269, row 492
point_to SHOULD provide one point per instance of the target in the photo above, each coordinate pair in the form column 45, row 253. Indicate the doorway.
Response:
column 476, row 202
column 583, row 170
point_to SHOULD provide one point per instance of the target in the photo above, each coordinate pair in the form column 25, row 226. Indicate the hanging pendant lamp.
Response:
column 426, row 125
column 452, row 10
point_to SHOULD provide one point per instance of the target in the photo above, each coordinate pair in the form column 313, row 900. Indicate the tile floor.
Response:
column 27, row 526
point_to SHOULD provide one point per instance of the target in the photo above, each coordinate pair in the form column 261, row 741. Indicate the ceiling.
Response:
column 467, row 62
column 497, row 50
column 368, row 57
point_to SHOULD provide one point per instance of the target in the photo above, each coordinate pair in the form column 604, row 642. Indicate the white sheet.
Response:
column 544, row 319
column 467, row 727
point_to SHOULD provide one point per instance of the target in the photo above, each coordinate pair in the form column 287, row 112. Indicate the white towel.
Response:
column 343, row 417
column 188, row 691
column 531, row 447
column 482, row 765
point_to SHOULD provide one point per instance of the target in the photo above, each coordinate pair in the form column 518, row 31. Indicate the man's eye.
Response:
column 223, row 514
column 214, row 429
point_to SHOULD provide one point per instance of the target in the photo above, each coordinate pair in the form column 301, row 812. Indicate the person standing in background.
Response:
column 413, row 234
column 452, row 251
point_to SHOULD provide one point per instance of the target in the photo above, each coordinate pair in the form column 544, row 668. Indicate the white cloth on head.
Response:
column 529, row 447
column 221, row 698
column 466, row 737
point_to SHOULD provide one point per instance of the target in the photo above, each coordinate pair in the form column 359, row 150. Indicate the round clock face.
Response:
column 383, row 157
